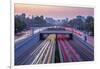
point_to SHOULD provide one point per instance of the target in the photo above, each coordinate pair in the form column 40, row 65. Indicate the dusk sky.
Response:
column 52, row 11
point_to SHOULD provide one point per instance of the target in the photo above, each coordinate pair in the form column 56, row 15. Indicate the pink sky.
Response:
column 53, row 11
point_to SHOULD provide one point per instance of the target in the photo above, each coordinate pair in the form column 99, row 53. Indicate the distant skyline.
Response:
column 57, row 12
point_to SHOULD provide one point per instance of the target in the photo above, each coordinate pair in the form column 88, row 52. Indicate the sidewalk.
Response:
column 28, row 34
column 25, row 35
column 80, row 34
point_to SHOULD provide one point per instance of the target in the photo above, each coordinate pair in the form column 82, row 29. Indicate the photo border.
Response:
column 12, row 55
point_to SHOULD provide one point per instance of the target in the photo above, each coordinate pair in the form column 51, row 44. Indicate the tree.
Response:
column 19, row 25
column 89, row 19
column 77, row 23
column 90, row 24
column 39, row 21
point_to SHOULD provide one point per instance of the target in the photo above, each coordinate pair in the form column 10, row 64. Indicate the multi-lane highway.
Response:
column 55, row 48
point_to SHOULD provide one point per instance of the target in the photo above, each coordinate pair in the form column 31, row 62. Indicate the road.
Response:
column 55, row 48
column 75, row 50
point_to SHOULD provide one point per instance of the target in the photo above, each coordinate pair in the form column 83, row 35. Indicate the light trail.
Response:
column 68, row 51
column 46, row 50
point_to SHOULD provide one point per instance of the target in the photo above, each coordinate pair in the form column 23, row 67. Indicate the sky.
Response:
column 56, row 12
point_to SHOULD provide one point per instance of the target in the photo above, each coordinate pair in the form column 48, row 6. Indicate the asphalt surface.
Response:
column 56, row 48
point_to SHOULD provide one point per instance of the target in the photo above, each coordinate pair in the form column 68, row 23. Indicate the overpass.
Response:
column 44, row 34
